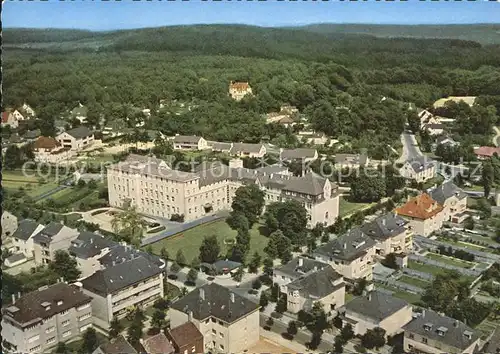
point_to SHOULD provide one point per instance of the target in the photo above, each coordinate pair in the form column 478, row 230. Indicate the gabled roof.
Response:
column 447, row 190
column 349, row 246
column 455, row 335
column 301, row 153
column 214, row 300
column 385, row 226
column 158, row 344
column 245, row 148
column 351, row 159
column 421, row 207
column 80, row 132
column 420, row 163
column 239, row 86
column 49, row 231
column 44, row 303
column 376, row 305
column 5, row 116
column 46, row 142
column 185, row 334
column 88, row 244
column 487, row 151
column 15, row 257
column 25, row 229
column 187, row 139
column 120, row 276
column 119, row 345
column 32, row 134
column 299, row 266
column 310, row 184
column 318, row 284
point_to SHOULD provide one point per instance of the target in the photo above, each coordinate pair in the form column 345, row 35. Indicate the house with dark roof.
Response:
column 434, row 128
column 452, row 198
column 295, row 269
column 431, row 332
column 22, row 238
column 190, row 142
column 377, row 309
column 217, row 146
column 186, row 338
column 14, row 260
column 391, row 234
column 37, row 321
column 301, row 154
column 324, row 286
column 419, row 169
column 133, row 282
column 118, row 345
column 351, row 160
column 248, row 150
column 53, row 237
column 76, row 139
column 229, row 322
column 424, row 214
column 350, row 254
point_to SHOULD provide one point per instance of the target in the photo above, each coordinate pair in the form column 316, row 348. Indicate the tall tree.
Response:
column 115, row 328
column 254, row 265
column 374, row 338
column 90, row 341
column 249, row 201
column 129, row 225
column 209, row 249
column 291, row 219
column 65, row 266
column 158, row 320
column 179, row 258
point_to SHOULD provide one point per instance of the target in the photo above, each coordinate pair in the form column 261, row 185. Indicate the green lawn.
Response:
column 468, row 245
column 414, row 281
column 190, row 241
column 409, row 297
column 450, row 260
column 426, row 268
column 347, row 207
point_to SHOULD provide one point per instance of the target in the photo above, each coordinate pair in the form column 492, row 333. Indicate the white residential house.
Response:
column 49, row 150
column 76, row 139
column 424, row 214
column 190, row 142
column 30, row 112
column 22, row 238
column 12, row 118
column 248, row 150
column 452, row 198
column 51, row 238
column 419, row 169
column 238, row 90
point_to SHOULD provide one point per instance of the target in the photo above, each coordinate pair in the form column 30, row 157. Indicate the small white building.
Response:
column 76, row 139
column 248, row 150
column 238, row 90
column 190, row 142
column 420, row 169
column 22, row 238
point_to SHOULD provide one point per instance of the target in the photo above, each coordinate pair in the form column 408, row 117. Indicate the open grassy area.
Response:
column 467, row 245
column 189, row 241
column 449, row 260
column 426, row 268
column 414, row 281
column 409, row 297
column 347, row 207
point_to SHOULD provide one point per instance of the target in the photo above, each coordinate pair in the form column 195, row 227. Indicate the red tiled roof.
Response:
column 239, row 86
column 158, row 344
column 184, row 334
column 421, row 207
column 487, row 151
column 5, row 117
column 45, row 142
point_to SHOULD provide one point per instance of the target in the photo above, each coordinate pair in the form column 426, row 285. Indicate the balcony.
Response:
column 133, row 300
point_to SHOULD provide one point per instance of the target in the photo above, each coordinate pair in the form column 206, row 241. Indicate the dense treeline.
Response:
column 354, row 88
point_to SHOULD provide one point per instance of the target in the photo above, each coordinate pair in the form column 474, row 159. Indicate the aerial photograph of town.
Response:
column 238, row 177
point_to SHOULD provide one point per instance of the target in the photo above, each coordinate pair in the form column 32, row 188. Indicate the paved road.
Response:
column 410, row 146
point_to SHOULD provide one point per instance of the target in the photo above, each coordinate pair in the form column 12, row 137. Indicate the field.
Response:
column 430, row 269
column 414, row 281
column 13, row 180
column 347, row 207
column 450, row 260
column 410, row 297
column 189, row 241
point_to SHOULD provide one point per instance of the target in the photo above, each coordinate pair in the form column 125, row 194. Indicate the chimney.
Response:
column 202, row 294
column 423, row 313
column 455, row 324
column 190, row 316
column 91, row 241
column 345, row 245
column 301, row 262
column 369, row 296
column 232, row 297
column 18, row 294
column 315, row 268
column 13, row 298
column 383, row 221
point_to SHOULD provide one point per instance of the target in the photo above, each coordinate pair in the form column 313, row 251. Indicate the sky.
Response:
column 111, row 15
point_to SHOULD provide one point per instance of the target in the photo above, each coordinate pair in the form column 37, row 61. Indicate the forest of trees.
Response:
column 338, row 81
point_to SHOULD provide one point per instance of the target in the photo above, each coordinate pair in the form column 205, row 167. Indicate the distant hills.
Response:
column 481, row 33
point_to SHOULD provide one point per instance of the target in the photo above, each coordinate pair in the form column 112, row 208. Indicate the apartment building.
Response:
column 154, row 188
column 433, row 333
column 350, row 254
column 22, row 238
column 49, row 150
column 190, row 142
column 295, row 269
column 134, row 282
column 53, row 237
column 452, row 198
column 229, row 322
column 238, row 90
column 424, row 214
column 377, row 309
column 39, row 320
column 391, row 233
column 94, row 252
column 419, row 169
column 324, row 286
column 76, row 139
